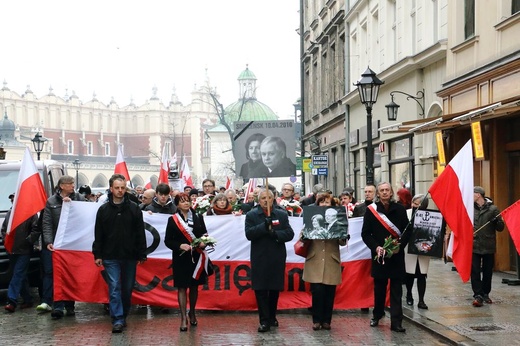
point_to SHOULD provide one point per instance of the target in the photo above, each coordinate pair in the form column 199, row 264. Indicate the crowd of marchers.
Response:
column 120, row 245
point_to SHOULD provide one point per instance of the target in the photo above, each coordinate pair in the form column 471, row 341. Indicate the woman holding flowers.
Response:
column 185, row 228
column 383, row 219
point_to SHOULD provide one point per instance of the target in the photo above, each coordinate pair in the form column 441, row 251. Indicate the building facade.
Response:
column 448, row 64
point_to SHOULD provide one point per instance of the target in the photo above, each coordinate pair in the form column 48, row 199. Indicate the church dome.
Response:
column 247, row 107
column 7, row 124
column 251, row 110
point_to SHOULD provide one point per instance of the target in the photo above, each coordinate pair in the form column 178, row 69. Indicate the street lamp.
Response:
column 368, row 88
column 77, row 164
column 392, row 107
column 38, row 142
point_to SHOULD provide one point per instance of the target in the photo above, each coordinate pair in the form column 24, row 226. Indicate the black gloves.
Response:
column 495, row 219
column 268, row 224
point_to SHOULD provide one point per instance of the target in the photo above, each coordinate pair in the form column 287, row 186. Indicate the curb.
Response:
column 438, row 329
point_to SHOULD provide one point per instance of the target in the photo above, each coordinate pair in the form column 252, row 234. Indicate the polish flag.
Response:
column 163, row 175
column 511, row 216
column 250, row 188
column 229, row 183
column 121, row 165
column 29, row 199
column 452, row 192
column 185, row 173
column 148, row 185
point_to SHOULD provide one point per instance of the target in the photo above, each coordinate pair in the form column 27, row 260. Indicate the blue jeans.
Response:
column 47, row 282
column 120, row 276
column 19, row 285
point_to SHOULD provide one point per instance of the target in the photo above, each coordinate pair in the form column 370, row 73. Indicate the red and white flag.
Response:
column 148, row 185
column 29, row 199
column 185, row 173
column 229, row 183
column 163, row 174
column 250, row 188
column 511, row 216
column 121, row 165
column 452, row 192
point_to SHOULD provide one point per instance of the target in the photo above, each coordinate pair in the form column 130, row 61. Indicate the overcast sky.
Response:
column 125, row 48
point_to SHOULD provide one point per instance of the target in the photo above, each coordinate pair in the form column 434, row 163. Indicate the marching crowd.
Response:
column 120, row 245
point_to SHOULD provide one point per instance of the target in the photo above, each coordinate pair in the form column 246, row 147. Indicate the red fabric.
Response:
column 447, row 196
column 185, row 172
column 77, row 278
column 30, row 198
column 511, row 216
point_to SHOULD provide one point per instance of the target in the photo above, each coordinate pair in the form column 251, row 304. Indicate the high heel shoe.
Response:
column 185, row 328
column 193, row 321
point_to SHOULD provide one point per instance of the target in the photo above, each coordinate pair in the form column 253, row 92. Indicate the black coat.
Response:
column 24, row 234
column 119, row 231
column 184, row 263
column 374, row 234
column 268, row 252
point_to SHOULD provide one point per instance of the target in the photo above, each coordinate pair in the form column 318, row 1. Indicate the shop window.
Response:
column 400, row 164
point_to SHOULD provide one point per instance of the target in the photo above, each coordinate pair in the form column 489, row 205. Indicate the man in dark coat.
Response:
column 274, row 157
column 385, row 219
column 268, row 230
column 370, row 194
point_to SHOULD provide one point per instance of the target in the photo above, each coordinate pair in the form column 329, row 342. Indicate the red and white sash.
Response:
column 203, row 262
column 385, row 221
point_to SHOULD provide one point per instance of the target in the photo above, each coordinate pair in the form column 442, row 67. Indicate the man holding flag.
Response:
column 487, row 222
column 29, row 199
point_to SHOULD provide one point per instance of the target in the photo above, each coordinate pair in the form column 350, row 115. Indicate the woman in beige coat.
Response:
column 322, row 270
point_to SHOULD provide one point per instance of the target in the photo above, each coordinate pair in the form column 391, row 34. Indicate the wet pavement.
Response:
column 450, row 319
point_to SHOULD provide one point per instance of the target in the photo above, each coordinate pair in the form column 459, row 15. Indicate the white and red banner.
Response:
column 29, row 199
column 77, row 278
column 452, row 192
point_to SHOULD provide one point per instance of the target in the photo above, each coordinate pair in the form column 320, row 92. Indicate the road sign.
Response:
column 320, row 160
column 323, row 171
column 306, row 164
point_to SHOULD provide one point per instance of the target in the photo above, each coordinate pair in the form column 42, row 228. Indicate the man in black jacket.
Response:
column 370, row 195
column 119, row 244
column 386, row 218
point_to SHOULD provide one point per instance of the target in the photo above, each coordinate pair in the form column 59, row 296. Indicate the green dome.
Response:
column 246, row 74
column 252, row 110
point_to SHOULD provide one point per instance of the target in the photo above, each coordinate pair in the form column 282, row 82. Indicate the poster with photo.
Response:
column 324, row 223
column 428, row 233
column 265, row 148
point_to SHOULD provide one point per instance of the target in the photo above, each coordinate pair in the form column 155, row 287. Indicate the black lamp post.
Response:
column 368, row 88
column 38, row 142
column 392, row 107
column 77, row 164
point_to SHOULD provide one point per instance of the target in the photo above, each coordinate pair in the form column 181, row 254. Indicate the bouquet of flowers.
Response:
column 293, row 208
column 236, row 208
column 206, row 239
column 202, row 204
column 390, row 247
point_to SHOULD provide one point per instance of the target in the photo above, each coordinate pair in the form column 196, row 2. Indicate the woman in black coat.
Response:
column 268, row 234
column 183, row 227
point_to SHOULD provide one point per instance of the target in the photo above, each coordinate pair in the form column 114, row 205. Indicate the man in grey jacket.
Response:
column 51, row 218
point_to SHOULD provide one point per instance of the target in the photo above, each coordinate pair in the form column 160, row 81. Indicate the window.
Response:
column 90, row 148
column 168, row 149
column 70, row 147
column 469, row 18
column 207, row 145
column 107, row 149
column 515, row 6
column 401, row 164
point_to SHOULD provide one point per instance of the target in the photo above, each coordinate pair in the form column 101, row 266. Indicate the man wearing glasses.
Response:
column 208, row 186
column 288, row 192
column 147, row 198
